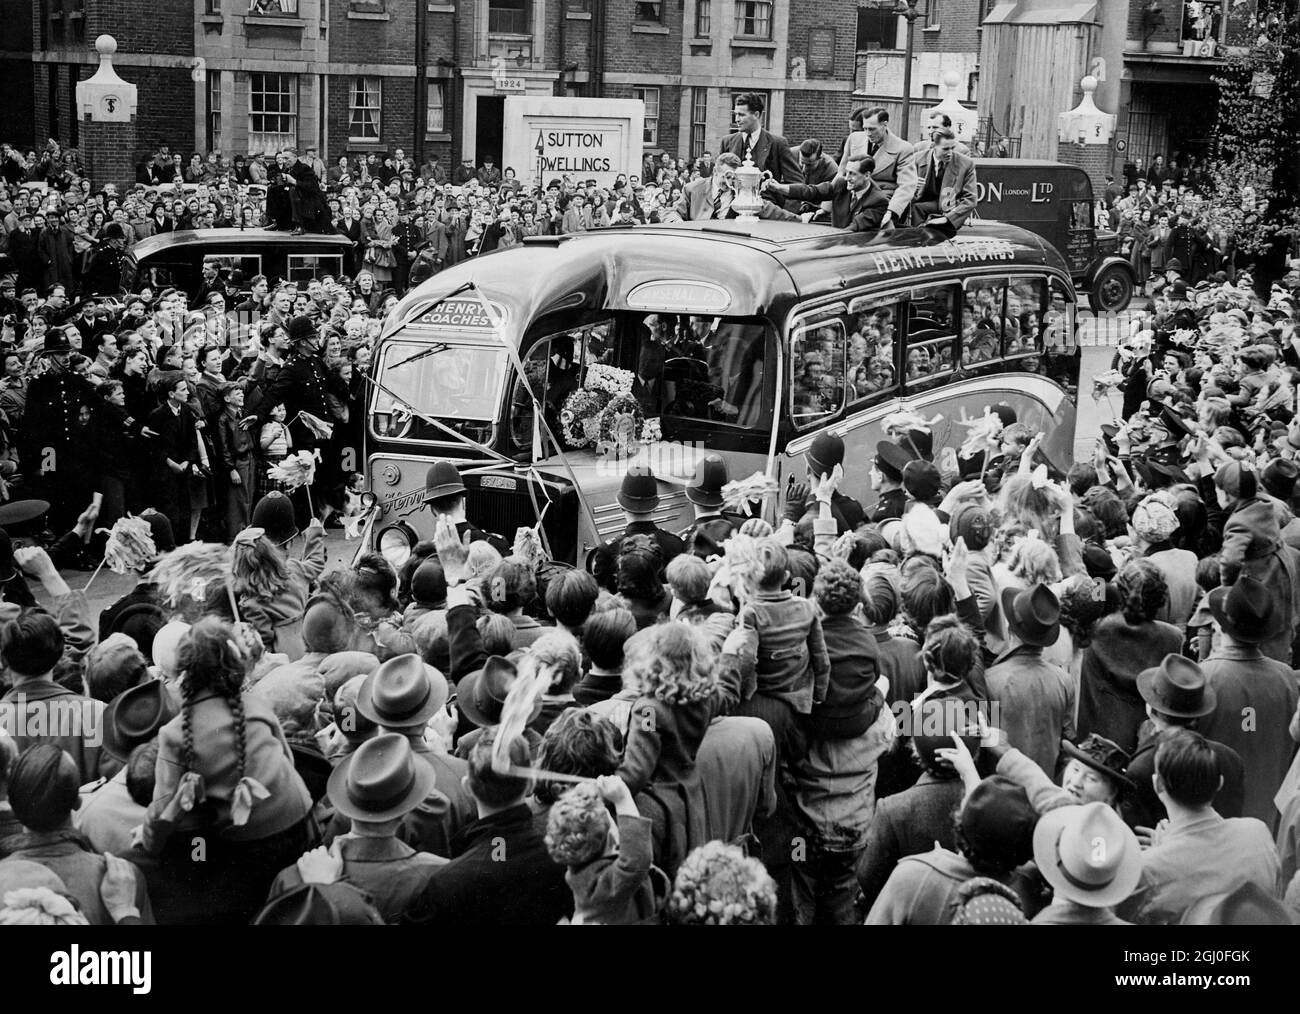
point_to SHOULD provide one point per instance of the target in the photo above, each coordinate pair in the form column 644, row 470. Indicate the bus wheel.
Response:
column 1111, row 290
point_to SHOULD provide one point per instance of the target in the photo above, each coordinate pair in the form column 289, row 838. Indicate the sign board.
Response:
column 547, row 137
column 821, row 52
column 460, row 314
column 511, row 85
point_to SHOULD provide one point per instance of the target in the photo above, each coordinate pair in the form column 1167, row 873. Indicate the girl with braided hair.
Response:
column 225, row 778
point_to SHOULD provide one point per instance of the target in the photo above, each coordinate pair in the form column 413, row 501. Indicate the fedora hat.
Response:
column 705, row 487
column 1088, row 854
column 1177, row 688
column 481, row 695
column 381, row 780
column 639, row 493
column 442, row 479
column 1033, row 614
column 1248, row 904
column 1247, row 611
column 402, row 692
column 1103, row 756
column 135, row 715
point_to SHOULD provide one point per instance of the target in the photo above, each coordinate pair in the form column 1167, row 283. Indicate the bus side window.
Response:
column 982, row 321
column 931, row 332
column 818, row 357
column 871, row 325
column 1026, row 299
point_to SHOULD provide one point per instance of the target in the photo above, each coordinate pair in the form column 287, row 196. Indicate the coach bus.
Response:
column 741, row 338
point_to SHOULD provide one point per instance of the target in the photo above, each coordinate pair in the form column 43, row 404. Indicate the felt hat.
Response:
column 1279, row 478
column 705, row 487
column 826, row 451
column 998, row 819
column 1088, row 854
column 1103, row 756
column 135, row 715
column 1177, row 687
column 381, row 780
column 922, row 481
column 1033, row 614
column 403, row 692
column 1247, row 904
column 481, row 695
column 141, row 622
column 972, row 522
column 1247, row 611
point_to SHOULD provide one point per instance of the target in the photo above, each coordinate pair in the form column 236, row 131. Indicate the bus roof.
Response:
column 754, row 266
column 230, row 237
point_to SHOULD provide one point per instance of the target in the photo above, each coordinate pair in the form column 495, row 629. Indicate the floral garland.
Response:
column 609, row 379
column 580, row 416
column 620, row 425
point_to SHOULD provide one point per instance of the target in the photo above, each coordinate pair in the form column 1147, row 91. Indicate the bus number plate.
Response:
column 498, row 482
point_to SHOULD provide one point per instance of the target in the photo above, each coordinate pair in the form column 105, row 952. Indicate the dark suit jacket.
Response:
column 907, row 824
column 770, row 153
column 848, row 210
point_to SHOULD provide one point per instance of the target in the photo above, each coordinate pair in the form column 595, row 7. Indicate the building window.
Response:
column 579, row 6
column 510, row 17
column 1202, row 21
column 649, row 12
column 435, row 116
column 703, row 19
column 650, row 96
column 932, row 10
column 272, row 111
column 363, row 109
column 930, row 91
column 753, row 19
column 273, row 8
column 212, row 7
column 214, row 110
column 878, row 29
column 699, row 121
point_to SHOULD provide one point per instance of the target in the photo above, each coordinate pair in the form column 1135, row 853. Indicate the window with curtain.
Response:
column 703, row 19
column 435, row 116
column 653, row 12
column 510, row 17
column 754, row 19
column 650, row 96
column 699, row 121
column 364, row 109
column 272, row 111
column 214, row 110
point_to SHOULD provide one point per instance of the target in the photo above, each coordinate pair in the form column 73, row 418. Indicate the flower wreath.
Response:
column 620, row 425
column 580, row 416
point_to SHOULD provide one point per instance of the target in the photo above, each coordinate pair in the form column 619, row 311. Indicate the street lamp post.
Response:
column 909, row 10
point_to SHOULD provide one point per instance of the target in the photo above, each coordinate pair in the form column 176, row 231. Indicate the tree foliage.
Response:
column 1255, row 164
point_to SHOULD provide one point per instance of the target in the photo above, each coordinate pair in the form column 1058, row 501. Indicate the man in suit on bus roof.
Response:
column 857, row 202
column 768, row 152
column 895, row 171
column 945, row 193
column 711, row 197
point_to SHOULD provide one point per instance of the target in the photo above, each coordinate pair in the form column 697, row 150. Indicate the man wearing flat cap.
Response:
column 639, row 498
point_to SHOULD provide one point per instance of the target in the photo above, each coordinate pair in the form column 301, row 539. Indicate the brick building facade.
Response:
column 339, row 75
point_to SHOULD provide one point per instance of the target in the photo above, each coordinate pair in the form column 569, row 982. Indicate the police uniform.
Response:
column 51, row 446
column 639, row 494
column 891, row 460
column 826, row 452
column 705, row 537
column 103, row 275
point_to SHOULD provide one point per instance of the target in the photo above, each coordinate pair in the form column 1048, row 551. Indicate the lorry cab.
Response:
column 1055, row 201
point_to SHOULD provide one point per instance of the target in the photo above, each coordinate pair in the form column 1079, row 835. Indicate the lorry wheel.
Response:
column 1111, row 290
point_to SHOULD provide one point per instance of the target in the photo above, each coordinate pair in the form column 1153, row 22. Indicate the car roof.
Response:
column 227, row 238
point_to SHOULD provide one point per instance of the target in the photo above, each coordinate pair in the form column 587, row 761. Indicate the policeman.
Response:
column 826, row 452
column 444, row 495
column 49, row 447
column 301, row 387
column 887, row 480
column 104, row 272
column 639, row 498
column 712, row 527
